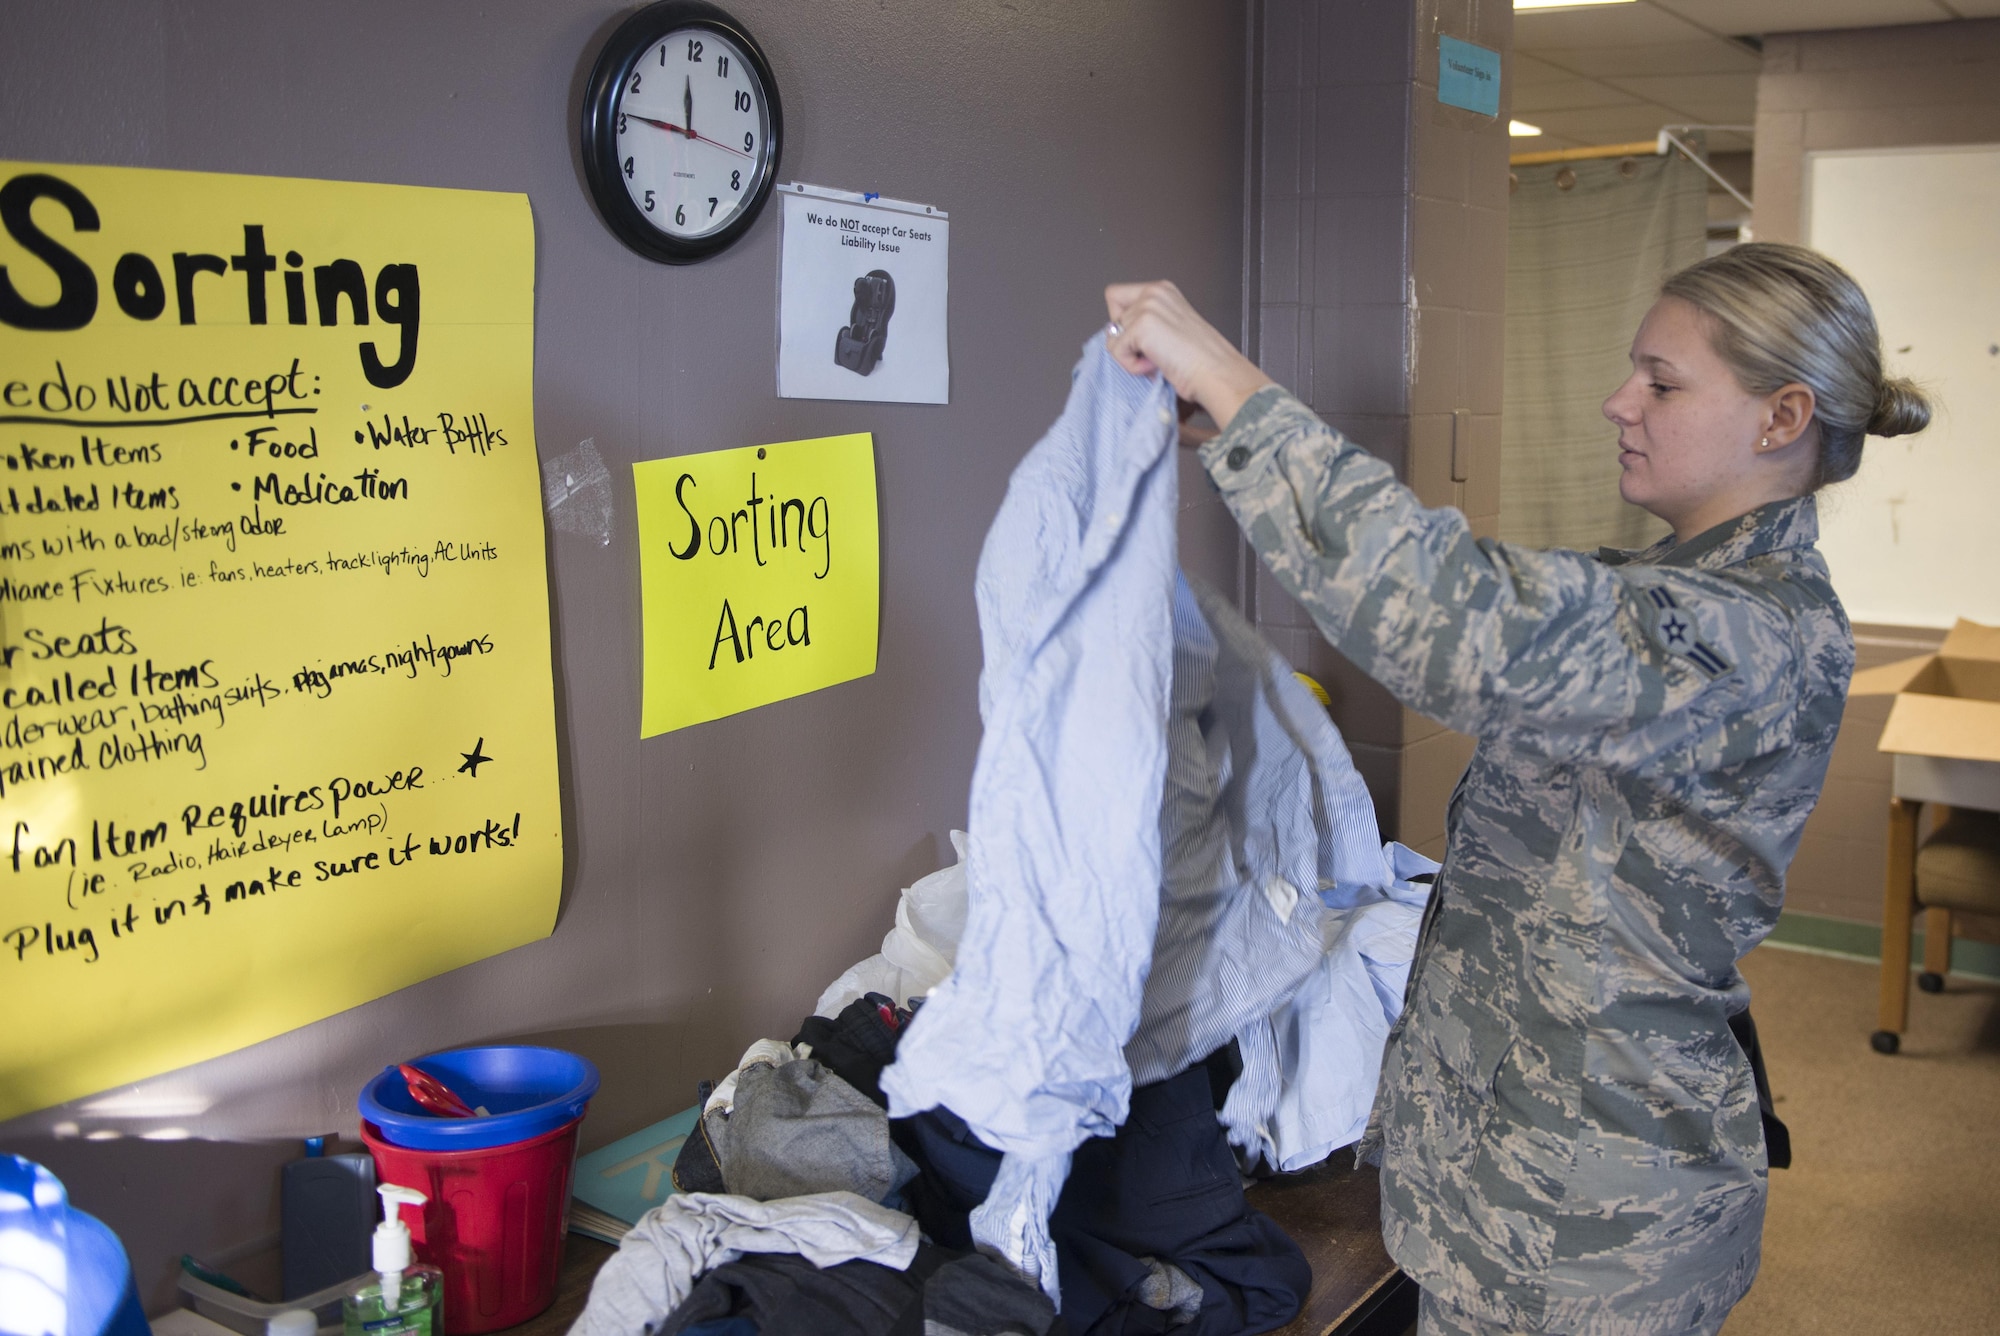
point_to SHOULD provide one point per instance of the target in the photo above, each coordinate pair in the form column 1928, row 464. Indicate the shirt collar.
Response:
column 1776, row 527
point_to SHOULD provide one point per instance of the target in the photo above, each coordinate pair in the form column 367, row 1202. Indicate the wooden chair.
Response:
column 1957, row 866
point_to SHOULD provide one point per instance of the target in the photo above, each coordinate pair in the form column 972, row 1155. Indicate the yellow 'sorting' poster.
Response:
column 760, row 573
column 278, row 729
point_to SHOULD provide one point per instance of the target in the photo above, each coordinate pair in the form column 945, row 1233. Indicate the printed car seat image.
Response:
column 858, row 345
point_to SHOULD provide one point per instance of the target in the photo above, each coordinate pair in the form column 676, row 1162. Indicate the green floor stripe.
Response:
column 1863, row 941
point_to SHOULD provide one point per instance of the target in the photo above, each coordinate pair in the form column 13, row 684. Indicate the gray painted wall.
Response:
column 720, row 876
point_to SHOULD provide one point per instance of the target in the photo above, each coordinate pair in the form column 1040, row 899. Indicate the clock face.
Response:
column 681, row 131
column 693, row 125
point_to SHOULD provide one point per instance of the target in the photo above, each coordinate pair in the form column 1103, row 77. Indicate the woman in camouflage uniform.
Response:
column 1567, row 1130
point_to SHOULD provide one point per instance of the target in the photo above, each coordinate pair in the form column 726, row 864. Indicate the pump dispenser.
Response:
column 404, row 1296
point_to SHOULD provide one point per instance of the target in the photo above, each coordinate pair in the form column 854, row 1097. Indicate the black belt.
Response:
column 1777, row 1137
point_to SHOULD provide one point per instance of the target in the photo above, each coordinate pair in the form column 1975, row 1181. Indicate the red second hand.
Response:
column 668, row 125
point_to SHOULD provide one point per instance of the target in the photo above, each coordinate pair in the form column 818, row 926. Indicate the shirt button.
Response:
column 1239, row 456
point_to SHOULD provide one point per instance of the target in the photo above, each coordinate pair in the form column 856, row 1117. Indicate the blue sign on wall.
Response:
column 1468, row 76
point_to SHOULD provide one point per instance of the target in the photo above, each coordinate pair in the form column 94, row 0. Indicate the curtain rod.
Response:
column 1656, row 147
column 1638, row 148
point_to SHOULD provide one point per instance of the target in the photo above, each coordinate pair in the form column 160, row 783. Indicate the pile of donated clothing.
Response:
column 1169, row 955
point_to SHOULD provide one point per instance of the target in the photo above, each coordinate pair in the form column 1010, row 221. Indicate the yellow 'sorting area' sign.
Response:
column 278, row 730
column 760, row 572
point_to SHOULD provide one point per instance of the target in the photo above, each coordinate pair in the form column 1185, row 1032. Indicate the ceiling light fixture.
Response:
column 1521, row 129
column 1566, row 4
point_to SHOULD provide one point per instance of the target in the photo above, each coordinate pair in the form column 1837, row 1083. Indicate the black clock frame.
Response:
column 634, row 38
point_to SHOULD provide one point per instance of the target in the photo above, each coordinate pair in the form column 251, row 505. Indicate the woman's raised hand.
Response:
column 1154, row 329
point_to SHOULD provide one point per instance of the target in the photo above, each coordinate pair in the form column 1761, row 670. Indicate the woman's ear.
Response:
column 1789, row 412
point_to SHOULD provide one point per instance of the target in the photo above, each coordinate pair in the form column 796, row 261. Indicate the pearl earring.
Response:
column 1764, row 444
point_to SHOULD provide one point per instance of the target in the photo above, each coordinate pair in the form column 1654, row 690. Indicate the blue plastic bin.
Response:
column 66, row 1268
column 526, row 1089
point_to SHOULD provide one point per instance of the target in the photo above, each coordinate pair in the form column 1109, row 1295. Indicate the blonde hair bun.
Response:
column 1900, row 409
column 1784, row 314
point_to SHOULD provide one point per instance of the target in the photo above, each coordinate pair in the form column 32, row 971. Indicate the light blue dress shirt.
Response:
column 1167, row 838
column 1025, row 1041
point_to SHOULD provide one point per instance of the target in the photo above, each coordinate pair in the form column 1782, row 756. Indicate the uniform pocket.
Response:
column 1463, row 1034
column 1447, row 1059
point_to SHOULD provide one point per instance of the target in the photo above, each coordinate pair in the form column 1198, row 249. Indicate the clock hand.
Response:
column 687, row 103
column 663, row 125
column 719, row 144
column 668, row 125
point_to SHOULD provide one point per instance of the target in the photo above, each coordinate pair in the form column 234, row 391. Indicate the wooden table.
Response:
column 1333, row 1211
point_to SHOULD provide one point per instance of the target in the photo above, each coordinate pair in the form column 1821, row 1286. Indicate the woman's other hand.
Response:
column 1154, row 329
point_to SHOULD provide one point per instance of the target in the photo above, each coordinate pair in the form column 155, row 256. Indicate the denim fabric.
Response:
column 698, row 1168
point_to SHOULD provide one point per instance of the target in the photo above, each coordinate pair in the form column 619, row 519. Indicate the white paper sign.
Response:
column 863, row 288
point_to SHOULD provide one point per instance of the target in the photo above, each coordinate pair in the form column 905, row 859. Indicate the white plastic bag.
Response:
column 919, row 951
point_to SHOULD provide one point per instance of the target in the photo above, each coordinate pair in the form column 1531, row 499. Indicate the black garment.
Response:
column 955, row 1171
column 976, row 1295
column 1777, row 1137
column 723, row 1326
column 1164, row 1186
column 783, row 1294
column 859, row 1043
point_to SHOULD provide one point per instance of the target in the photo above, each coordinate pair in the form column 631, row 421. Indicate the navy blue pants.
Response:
column 1164, row 1186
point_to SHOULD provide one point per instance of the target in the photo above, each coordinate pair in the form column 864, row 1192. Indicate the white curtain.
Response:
column 1583, row 265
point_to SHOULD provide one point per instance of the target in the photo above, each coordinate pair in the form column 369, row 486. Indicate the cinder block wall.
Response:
column 1923, row 84
column 1374, row 289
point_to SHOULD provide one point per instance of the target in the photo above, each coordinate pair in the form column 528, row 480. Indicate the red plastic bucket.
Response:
column 494, row 1222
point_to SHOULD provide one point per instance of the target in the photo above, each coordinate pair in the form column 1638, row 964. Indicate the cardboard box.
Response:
column 1947, row 703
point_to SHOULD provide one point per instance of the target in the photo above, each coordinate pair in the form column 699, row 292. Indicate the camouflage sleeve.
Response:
column 1642, row 667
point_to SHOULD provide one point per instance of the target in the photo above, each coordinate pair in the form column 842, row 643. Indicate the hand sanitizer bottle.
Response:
column 405, row 1296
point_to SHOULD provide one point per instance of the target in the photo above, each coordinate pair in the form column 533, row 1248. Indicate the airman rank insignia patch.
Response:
column 1675, row 631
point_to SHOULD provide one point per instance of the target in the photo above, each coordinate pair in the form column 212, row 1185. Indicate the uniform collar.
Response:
column 1776, row 527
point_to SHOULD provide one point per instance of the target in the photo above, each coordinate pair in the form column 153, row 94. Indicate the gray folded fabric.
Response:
column 1171, row 1290
column 799, row 1129
column 656, row 1265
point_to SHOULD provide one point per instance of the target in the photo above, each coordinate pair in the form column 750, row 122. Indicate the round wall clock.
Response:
column 681, row 131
